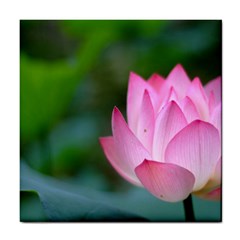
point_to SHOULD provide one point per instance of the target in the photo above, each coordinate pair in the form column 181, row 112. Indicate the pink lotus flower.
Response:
column 171, row 144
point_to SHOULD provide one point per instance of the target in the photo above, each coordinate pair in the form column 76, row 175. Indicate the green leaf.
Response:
column 62, row 205
column 70, row 201
column 34, row 213
column 207, row 211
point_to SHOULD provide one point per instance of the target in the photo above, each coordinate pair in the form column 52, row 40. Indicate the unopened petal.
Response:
column 128, row 147
column 156, row 81
column 197, row 95
column 146, row 122
column 136, row 88
column 170, row 120
column 179, row 79
column 215, row 86
column 170, row 95
column 211, row 102
column 189, row 109
column 216, row 118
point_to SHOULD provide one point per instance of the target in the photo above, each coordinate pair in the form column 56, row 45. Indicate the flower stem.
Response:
column 188, row 209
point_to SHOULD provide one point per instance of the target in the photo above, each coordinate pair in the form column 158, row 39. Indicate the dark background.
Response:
column 72, row 74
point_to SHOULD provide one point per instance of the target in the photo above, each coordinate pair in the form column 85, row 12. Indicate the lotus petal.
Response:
column 128, row 147
column 196, row 148
column 146, row 122
column 170, row 120
column 179, row 79
column 120, row 165
column 215, row 86
column 166, row 181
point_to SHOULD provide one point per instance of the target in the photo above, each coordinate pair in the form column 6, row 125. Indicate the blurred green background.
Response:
column 72, row 74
